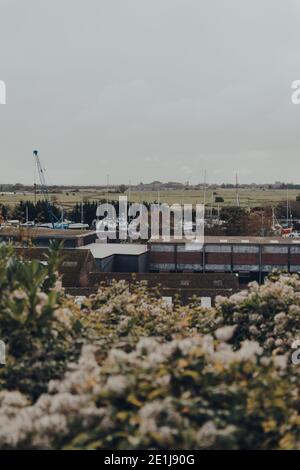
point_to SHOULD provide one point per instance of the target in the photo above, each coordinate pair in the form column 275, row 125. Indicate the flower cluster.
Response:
column 186, row 393
column 269, row 314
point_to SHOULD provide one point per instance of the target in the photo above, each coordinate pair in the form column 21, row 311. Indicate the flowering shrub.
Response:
column 269, row 314
column 120, row 316
column 126, row 371
column 38, row 330
column 189, row 393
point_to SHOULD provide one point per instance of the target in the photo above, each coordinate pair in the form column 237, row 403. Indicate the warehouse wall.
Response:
column 221, row 257
column 184, row 285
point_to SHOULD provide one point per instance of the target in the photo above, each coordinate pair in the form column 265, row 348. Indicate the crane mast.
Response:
column 44, row 187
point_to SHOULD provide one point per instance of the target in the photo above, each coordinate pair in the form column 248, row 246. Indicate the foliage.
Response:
column 239, row 221
column 189, row 393
column 294, row 209
column 269, row 314
column 33, row 322
column 127, row 371
column 38, row 212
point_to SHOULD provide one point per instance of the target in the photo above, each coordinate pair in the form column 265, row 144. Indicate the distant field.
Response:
column 248, row 197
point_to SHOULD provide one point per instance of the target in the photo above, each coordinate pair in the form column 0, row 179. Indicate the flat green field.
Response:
column 248, row 197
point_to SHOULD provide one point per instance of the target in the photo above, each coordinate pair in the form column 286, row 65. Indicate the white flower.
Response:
column 270, row 343
column 249, row 350
column 64, row 316
column 280, row 317
column 146, row 345
column 239, row 297
column 208, row 344
column 19, row 294
column 225, row 333
column 255, row 318
column 116, row 384
column 12, row 399
column 280, row 361
column 207, row 435
column 53, row 424
column 253, row 330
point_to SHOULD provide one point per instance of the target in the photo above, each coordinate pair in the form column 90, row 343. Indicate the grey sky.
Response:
column 150, row 89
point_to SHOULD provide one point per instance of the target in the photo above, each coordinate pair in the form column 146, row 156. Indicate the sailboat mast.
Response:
column 237, row 191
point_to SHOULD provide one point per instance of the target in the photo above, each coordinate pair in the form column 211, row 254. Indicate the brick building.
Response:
column 183, row 286
column 250, row 257
column 75, row 267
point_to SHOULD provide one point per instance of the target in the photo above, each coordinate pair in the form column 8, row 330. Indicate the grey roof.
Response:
column 38, row 232
column 232, row 239
column 103, row 250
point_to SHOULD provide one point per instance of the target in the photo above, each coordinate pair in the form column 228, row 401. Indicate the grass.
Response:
column 248, row 197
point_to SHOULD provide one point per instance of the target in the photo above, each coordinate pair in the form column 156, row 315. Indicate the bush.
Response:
column 189, row 393
column 127, row 371
column 37, row 328
column 269, row 314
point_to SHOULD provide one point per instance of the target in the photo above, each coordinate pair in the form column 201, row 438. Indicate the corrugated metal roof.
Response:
column 44, row 232
column 103, row 250
column 233, row 240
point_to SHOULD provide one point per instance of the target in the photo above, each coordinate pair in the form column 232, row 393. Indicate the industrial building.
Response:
column 176, row 268
column 120, row 257
column 250, row 257
column 84, row 270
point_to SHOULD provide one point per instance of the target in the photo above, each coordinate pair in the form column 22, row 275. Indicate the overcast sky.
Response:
column 150, row 89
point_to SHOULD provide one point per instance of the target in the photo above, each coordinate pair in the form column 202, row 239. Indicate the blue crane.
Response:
column 55, row 222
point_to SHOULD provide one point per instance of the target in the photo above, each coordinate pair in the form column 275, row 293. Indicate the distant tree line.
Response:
column 38, row 212
column 81, row 212
column 238, row 220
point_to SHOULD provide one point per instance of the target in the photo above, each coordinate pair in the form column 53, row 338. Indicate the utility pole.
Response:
column 287, row 207
column 129, row 191
column 107, row 185
column 81, row 212
column 204, row 189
